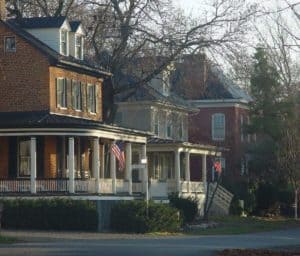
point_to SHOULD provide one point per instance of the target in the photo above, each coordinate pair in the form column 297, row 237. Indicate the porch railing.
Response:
column 106, row 186
column 122, row 186
column 52, row 185
column 15, row 186
column 137, row 187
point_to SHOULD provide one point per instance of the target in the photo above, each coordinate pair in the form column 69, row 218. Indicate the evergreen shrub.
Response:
column 53, row 214
column 188, row 207
column 134, row 217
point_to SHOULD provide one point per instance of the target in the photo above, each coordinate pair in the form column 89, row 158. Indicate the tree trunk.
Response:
column 296, row 204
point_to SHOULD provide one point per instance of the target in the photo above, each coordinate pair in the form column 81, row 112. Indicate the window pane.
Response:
column 61, row 92
column 10, row 44
column 24, row 158
column 218, row 126
column 91, row 98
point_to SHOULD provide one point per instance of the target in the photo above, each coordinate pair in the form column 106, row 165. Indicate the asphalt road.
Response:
column 93, row 245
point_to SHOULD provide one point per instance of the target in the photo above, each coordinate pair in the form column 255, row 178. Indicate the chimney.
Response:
column 2, row 10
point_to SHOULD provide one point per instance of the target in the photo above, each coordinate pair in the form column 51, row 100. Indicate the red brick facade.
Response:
column 28, row 81
column 200, row 131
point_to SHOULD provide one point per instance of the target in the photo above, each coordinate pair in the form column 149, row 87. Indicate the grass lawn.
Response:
column 241, row 225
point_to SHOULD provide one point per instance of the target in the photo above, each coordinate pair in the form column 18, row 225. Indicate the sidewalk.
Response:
column 40, row 236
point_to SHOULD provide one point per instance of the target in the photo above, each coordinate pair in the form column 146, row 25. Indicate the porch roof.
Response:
column 47, row 122
column 159, row 144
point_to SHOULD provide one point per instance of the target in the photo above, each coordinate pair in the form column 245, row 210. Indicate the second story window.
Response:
column 76, row 95
column 10, row 44
column 91, row 98
column 78, row 47
column 61, row 93
column 156, row 123
column 169, row 129
column 242, row 128
column 64, row 42
column 218, row 126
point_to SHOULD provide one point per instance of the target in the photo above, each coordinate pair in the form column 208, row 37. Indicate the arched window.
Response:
column 218, row 126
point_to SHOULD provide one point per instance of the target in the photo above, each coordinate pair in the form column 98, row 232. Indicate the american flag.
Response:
column 118, row 150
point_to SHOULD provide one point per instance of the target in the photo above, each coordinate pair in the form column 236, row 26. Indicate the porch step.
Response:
column 222, row 200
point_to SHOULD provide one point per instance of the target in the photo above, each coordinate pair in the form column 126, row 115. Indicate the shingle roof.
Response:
column 74, row 25
column 45, row 119
column 54, row 57
column 41, row 22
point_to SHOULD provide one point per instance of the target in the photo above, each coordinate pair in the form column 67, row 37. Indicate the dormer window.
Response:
column 78, row 47
column 64, row 42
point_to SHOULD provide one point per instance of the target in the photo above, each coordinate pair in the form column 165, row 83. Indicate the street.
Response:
column 67, row 244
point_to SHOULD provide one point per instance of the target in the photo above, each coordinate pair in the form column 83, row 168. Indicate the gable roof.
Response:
column 40, row 22
column 197, row 78
column 74, row 25
column 54, row 57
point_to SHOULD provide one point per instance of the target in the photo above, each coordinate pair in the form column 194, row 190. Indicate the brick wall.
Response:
column 4, row 147
column 200, row 131
column 85, row 79
column 24, row 76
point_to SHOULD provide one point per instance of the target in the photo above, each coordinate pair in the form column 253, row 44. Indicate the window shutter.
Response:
column 69, row 93
column 73, row 93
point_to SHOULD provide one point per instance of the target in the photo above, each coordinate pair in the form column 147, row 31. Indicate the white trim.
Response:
column 243, row 104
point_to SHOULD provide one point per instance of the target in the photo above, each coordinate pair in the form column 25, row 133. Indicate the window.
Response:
column 156, row 123
column 248, row 135
column 91, row 98
column 218, row 126
column 78, row 47
column 64, row 42
column 242, row 128
column 61, row 93
column 10, row 44
column 244, row 165
column 181, row 128
column 169, row 128
column 24, row 157
column 76, row 95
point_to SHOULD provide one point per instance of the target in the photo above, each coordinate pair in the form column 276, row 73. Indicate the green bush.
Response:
column 133, row 217
column 188, row 207
column 235, row 208
column 54, row 214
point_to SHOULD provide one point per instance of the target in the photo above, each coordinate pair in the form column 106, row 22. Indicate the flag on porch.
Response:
column 118, row 150
column 218, row 166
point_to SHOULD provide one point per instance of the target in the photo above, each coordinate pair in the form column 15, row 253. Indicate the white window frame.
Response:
column 5, row 44
column 66, row 42
column 242, row 128
column 221, row 136
column 91, row 98
column 64, row 93
column 79, row 46
column 76, row 95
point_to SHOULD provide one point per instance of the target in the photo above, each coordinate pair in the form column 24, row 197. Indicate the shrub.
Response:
column 132, row 216
column 54, row 214
column 188, row 207
column 235, row 208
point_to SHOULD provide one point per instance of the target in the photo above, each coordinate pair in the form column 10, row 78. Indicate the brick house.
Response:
column 223, row 110
column 52, row 137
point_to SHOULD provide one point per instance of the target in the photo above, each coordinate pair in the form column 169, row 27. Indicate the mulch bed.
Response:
column 239, row 252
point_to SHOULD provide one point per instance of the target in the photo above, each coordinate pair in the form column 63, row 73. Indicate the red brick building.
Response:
column 223, row 112
column 52, row 136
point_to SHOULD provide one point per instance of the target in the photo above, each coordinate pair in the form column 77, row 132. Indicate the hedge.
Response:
column 53, row 214
column 188, row 207
column 134, row 217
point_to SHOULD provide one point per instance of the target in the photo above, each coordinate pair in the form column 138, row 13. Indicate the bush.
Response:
column 131, row 216
column 235, row 208
column 188, row 207
column 54, row 214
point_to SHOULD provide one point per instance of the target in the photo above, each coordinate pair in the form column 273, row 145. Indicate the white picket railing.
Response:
column 15, row 186
column 137, row 187
column 52, row 185
column 106, row 186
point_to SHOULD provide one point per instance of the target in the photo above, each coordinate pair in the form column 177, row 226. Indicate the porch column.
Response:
column 177, row 169
column 33, row 165
column 187, row 170
column 71, row 166
column 96, row 169
column 145, row 172
column 204, row 172
column 128, row 169
column 113, row 170
column 102, row 162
